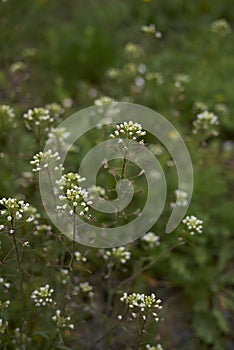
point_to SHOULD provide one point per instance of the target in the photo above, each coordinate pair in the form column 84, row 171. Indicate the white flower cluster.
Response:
column 143, row 305
column 37, row 116
column 193, row 224
column 62, row 321
column 4, row 304
column 55, row 110
column 70, row 180
column 77, row 196
column 221, row 108
column 151, row 239
column 119, row 254
column 221, row 27
column 133, row 51
column 155, row 77
column 199, row 106
column 85, row 287
column 152, row 347
column 41, row 160
column 3, row 326
column 4, row 284
column 181, row 199
column 96, row 192
column 64, row 274
column 113, row 73
column 79, row 257
column 42, row 296
column 17, row 66
column 42, row 229
column 205, row 121
column 16, row 210
column 18, row 337
column 151, row 30
column 128, row 130
column 103, row 100
column 57, row 137
column 4, row 288
column 6, row 113
column 180, row 80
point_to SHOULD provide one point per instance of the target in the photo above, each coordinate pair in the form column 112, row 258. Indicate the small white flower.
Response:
column 119, row 254
column 151, row 239
column 42, row 296
column 221, row 27
column 193, row 224
column 206, row 121
column 181, row 199
column 79, row 257
column 128, row 130
column 62, row 321
column 142, row 305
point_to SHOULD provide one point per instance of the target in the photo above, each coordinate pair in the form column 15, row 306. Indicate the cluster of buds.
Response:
column 128, row 130
column 193, row 225
column 117, row 255
column 42, row 296
column 142, row 305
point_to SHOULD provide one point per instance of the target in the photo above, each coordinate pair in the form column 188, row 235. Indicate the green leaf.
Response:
column 205, row 327
column 42, row 334
column 221, row 321
column 63, row 347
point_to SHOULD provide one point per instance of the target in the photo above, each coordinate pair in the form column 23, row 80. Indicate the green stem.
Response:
column 122, row 177
column 74, row 236
column 110, row 292
column 124, row 165
column 150, row 264
column 21, row 292
column 141, row 332
column 109, row 331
